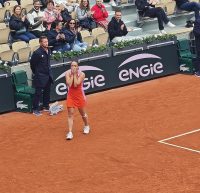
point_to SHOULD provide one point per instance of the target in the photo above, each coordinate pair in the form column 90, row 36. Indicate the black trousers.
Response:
column 38, row 34
column 160, row 14
column 196, row 62
column 43, row 93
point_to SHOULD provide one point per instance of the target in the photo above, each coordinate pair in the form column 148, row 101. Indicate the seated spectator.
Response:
column 84, row 15
column 73, row 35
column 148, row 9
column 51, row 14
column 72, row 5
column 117, row 30
column 36, row 17
column 19, row 25
column 189, row 6
column 64, row 13
column 57, row 38
column 100, row 14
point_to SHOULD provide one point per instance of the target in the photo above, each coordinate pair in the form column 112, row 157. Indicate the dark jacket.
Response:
column 40, row 66
column 57, row 44
column 71, row 37
column 142, row 6
column 65, row 15
column 114, row 28
column 180, row 2
column 16, row 23
column 196, row 28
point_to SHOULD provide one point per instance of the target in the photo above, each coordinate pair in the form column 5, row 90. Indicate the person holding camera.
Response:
column 100, row 14
column 57, row 38
column 36, row 18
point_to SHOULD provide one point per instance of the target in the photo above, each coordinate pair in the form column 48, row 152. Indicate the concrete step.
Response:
column 126, row 9
column 180, row 31
column 179, row 20
column 136, row 32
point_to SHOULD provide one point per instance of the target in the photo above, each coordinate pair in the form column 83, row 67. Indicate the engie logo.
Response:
column 142, row 71
column 90, row 82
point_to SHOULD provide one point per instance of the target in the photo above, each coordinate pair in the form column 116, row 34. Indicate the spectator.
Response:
column 148, row 9
column 72, row 5
column 36, row 17
column 64, row 13
column 117, row 29
column 57, row 38
column 84, row 15
column 73, row 35
column 19, row 25
column 189, row 6
column 51, row 14
column 100, row 14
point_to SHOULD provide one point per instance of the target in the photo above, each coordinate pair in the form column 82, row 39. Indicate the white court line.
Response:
column 189, row 149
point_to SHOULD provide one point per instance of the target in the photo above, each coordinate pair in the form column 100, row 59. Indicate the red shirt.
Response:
column 99, row 15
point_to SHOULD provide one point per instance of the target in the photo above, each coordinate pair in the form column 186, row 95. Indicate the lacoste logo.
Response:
column 183, row 68
column 138, row 57
column 81, row 68
column 20, row 105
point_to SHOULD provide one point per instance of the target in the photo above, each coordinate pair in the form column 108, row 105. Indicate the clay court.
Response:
column 122, row 154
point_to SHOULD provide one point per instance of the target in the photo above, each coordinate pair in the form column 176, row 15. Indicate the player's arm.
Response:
column 69, row 78
column 78, row 79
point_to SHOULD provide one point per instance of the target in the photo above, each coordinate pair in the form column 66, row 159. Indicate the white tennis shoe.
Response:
column 69, row 135
column 86, row 129
column 171, row 24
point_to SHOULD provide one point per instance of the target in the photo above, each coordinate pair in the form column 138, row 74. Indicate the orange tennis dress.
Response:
column 76, row 96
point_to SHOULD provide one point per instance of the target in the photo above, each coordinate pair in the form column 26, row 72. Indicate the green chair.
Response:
column 184, row 49
column 23, row 92
column 186, row 65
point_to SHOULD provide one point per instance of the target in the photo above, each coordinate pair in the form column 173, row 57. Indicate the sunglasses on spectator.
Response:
column 71, row 23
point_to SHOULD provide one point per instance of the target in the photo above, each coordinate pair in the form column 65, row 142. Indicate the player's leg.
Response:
column 84, row 116
column 70, row 122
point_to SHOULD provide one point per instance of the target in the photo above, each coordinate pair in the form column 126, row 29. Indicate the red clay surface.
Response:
column 120, row 155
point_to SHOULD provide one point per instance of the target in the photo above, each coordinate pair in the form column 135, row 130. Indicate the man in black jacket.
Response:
column 42, row 79
column 117, row 30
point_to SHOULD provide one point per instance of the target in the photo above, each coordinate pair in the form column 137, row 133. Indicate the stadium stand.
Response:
column 5, row 32
column 34, row 44
column 102, row 38
column 6, row 53
column 89, row 40
column 23, row 51
column 130, row 16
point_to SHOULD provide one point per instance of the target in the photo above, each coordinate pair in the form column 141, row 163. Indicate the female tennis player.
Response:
column 76, row 98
